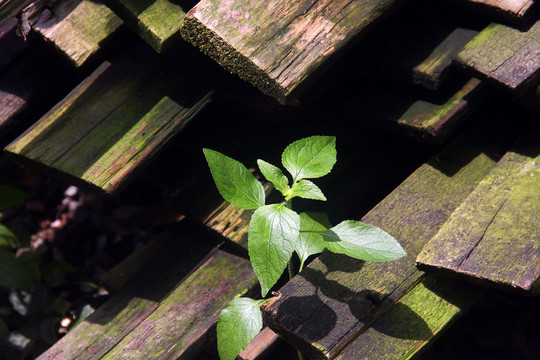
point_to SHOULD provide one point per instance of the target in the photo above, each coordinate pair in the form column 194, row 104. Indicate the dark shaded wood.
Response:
column 10, row 9
column 335, row 299
column 493, row 236
column 262, row 346
column 78, row 28
column 515, row 11
column 432, row 118
column 157, row 22
column 277, row 46
column 10, row 43
column 505, row 56
column 117, row 119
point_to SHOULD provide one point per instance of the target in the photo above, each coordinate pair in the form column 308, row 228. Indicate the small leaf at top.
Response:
column 274, row 175
column 307, row 190
column 310, row 157
column 272, row 235
column 237, row 325
column 362, row 241
column 234, row 181
column 311, row 243
column 11, row 196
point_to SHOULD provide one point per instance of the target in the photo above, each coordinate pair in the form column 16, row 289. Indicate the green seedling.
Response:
column 276, row 231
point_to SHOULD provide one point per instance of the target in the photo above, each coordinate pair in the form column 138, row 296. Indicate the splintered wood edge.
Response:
column 212, row 45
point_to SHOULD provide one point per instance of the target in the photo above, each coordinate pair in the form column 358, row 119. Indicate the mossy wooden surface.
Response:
column 157, row 22
column 432, row 120
column 77, row 28
column 415, row 320
column 277, row 46
column 494, row 235
column 505, row 56
column 335, row 298
column 513, row 10
column 117, row 119
column 424, row 55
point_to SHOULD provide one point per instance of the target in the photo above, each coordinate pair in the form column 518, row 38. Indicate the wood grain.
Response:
column 493, row 237
column 277, row 46
column 77, row 28
column 509, row 10
column 10, row 9
column 504, row 56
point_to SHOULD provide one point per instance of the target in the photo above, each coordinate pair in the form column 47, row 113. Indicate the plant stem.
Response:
column 300, row 356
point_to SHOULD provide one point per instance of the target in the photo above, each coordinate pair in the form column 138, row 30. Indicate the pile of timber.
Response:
column 436, row 120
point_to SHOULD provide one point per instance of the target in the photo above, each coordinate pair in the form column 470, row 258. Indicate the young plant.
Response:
column 275, row 231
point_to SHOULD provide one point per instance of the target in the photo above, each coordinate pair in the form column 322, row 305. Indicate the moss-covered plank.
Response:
column 430, row 118
column 336, row 298
column 494, row 235
column 416, row 319
column 184, row 320
column 424, row 54
column 134, row 301
column 78, row 28
column 509, row 10
column 157, row 22
column 108, row 127
column 277, row 46
column 505, row 56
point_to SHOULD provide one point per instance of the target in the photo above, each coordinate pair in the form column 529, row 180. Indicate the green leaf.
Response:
column 8, row 240
column 274, row 175
column 13, row 274
column 272, row 235
column 237, row 325
column 3, row 326
column 310, row 157
column 234, row 181
column 311, row 243
column 362, row 241
column 11, row 196
column 307, row 190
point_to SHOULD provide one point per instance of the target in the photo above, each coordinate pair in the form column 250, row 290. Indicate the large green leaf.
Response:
column 311, row 243
column 272, row 235
column 237, row 325
column 362, row 241
column 13, row 274
column 274, row 175
column 8, row 240
column 310, row 157
column 307, row 190
column 11, row 196
column 234, row 181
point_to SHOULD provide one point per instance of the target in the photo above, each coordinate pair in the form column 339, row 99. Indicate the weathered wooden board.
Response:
column 117, row 119
column 336, row 298
column 78, row 28
column 261, row 346
column 10, row 9
column 432, row 120
column 10, row 43
column 277, row 46
column 424, row 55
column 511, row 10
column 505, row 56
column 157, row 22
column 415, row 320
column 494, row 236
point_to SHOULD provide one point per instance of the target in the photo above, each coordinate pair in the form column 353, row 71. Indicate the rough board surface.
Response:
column 514, row 10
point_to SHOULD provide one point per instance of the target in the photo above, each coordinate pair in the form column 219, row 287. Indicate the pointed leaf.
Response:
column 8, row 240
column 237, row 325
column 272, row 235
column 274, row 175
column 362, row 241
column 11, row 196
column 13, row 274
column 310, row 157
column 307, row 190
column 310, row 243
column 234, row 181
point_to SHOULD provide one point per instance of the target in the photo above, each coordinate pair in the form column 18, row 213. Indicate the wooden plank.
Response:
column 277, row 46
column 261, row 346
column 157, row 22
column 11, row 44
column 78, row 28
column 184, row 320
column 415, row 320
column 116, row 120
column 504, row 56
column 336, row 298
column 10, row 9
column 431, row 118
column 424, row 54
column 493, row 237
column 509, row 10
